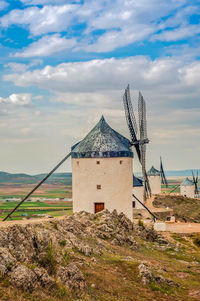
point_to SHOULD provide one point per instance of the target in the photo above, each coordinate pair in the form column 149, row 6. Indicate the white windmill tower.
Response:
column 187, row 188
column 102, row 171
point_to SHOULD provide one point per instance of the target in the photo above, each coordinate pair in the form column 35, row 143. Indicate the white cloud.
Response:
column 118, row 38
column 16, row 67
column 111, row 74
column 45, row 2
column 41, row 20
column 178, row 33
column 3, row 4
column 46, row 46
column 119, row 23
column 16, row 100
column 20, row 67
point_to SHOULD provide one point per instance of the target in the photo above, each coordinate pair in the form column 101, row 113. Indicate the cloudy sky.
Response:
column 65, row 63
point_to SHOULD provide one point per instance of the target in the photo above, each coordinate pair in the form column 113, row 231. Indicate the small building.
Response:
column 138, row 191
column 154, row 180
column 187, row 188
column 102, row 171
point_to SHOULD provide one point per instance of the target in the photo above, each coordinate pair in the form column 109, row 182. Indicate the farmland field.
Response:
column 35, row 209
column 38, row 207
column 46, row 190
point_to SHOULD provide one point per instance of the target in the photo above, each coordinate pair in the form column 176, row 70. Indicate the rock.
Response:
column 145, row 273
column 165, row 281
column 132, row 242
column 86, row 250
column 147, row 276
column 128, row 258
column 43, row 277
column 71, row 276
column 125, row 222
column 6, row 261
column 24, row 278
column 104, row 228
column 93, row 259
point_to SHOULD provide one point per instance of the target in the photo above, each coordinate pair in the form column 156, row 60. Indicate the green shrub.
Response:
column 49, row 259
column 197, row 241
column 62, row 243
column 140, row 223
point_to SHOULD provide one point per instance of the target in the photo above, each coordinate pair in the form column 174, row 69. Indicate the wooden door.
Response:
column 98, row 207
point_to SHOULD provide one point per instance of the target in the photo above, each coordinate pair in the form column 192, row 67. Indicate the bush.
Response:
column 140, row 223
column 197, row 240
column 48, row 261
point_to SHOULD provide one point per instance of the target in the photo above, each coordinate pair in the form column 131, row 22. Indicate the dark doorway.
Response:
column 98, row 207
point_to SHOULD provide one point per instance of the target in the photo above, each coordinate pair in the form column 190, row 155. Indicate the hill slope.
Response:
column 66, row 178
column 96, row 257
column 56, row 178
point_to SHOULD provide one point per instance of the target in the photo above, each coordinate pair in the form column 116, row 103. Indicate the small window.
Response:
column 120, row 162
column 98, row 186
column 98, row 162
column 133, row 204
column 77, row 162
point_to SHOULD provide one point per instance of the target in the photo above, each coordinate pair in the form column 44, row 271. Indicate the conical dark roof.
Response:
column 187, row 182
column 153, row 172
column 137, row 182
column 102, row 141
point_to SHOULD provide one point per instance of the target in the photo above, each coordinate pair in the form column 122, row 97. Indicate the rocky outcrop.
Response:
column 71, row 276
column 147, row 277
column 41, row 254
column 23, row 278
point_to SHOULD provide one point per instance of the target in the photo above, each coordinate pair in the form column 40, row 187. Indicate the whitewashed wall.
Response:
column 187, row 191
column 155, row 184
column 115, row 180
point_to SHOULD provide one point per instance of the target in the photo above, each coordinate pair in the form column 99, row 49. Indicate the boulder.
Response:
column 24, row 278
column 147, row 276
column 146, row 273
column 43, row 277
column 6, row 261
column 71, row 276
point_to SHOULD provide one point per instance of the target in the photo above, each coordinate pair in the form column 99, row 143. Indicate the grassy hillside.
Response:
column 103, row 257
column 185, row 209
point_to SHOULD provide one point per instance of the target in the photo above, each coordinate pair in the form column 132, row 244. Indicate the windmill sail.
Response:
column 143, row 141
column 195, row 181
column 140, row 145
column 162, row 174
column 131, row 121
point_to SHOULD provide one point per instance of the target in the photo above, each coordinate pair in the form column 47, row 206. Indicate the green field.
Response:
column 46, row 190
column 32, row 209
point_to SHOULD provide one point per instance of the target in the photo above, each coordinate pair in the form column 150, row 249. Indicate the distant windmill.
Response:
column 139, row 144
column 162, row 174
column 195, row 181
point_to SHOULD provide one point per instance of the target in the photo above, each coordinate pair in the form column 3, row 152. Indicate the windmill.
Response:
column 162, row 174
column 195, row 181
column 139, row 144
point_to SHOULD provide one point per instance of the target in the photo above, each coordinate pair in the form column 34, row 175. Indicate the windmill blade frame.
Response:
column 195, row 181
column 143, row 140
column 142, row 117
column 162, row 174
column 131, row 120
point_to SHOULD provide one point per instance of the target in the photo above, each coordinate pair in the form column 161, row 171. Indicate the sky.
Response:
column 65, row 63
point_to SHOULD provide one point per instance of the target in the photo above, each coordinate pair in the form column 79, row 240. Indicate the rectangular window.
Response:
column 133, row 204
column 98, row 162
column 98, row 186
column 77, row 162
column 120, row 162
